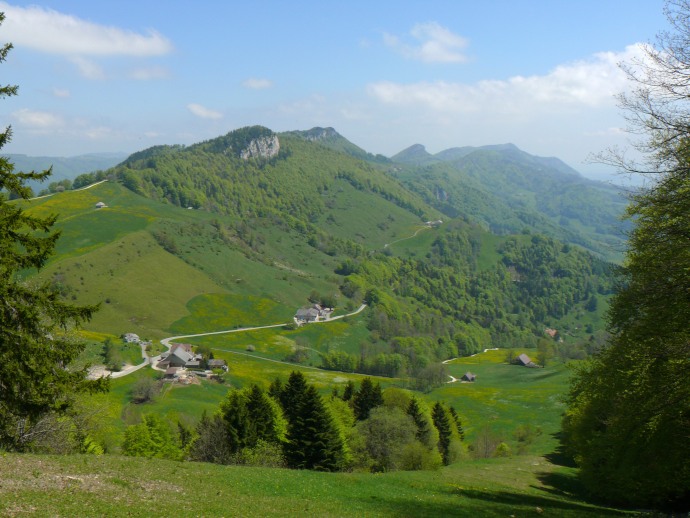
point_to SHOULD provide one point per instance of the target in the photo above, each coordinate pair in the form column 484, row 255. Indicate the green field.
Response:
column 504, row 395
column 111, row 485
column 160, row 271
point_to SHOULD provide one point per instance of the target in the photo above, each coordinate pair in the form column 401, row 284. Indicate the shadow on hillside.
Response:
column 559, row 457
column 474, row 502
column 565, row 483
column 521, row 501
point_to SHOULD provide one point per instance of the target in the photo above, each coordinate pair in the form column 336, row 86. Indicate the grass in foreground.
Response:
column 119, row 486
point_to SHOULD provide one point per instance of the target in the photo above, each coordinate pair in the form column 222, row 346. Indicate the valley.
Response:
column 202, row 246
column 215, row 303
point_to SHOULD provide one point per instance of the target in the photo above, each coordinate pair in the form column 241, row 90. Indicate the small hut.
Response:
column 468, row 376
column 525, row 361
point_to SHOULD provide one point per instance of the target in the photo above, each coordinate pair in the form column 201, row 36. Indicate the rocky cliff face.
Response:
column 262, row 147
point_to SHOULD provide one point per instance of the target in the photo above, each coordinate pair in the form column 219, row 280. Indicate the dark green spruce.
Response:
column 36, row 347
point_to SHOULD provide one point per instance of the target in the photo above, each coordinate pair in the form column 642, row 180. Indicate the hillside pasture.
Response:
column 111, row 485
column 505, row 396
column 141, row 288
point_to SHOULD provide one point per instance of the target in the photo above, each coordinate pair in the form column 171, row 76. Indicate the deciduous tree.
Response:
column 629, row 408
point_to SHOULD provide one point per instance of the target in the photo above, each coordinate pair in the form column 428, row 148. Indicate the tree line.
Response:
column 629, row 407
column 292, row 425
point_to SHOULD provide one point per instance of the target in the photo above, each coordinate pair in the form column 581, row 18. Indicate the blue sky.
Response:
column 125, row 75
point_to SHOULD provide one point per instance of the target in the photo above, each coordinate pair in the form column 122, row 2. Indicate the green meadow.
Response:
column 159, row 271
column 111, row 485
column 505, row 396
column 111, row 257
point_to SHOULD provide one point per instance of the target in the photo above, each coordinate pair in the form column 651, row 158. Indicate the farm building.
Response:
column 131, row 338
column 171, row 373
column 217, row 364
column 180, row 355
column 468, row 376
column 525, row 361
column 314, row 313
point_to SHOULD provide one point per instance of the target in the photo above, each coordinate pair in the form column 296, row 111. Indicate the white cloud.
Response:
column 434, row 44
column 203, row 112
column 613, row 131
column 150, row 73
column 37, row 120
column 592, row 82
column 89, row 69
column 52, row 32
column 257, row 84
column 61, row 93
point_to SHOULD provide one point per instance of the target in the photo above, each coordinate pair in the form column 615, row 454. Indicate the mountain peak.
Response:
column 317, row 133
column 248, row 142
column 415, row 154
column 330, row 138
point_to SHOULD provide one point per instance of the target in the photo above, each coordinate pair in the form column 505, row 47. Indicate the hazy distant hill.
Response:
column 416, row 155
column 510, row 190
column 65, row 167
column 331, row 139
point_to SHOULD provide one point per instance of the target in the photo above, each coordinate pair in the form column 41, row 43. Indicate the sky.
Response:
column 122, row 76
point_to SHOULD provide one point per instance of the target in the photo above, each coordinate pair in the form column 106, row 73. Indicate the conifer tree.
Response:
column 367, row 397
column 275, row 389
column 35, row 345
column 349, row 391
column 236, row 420
column 314, row 440
column 442, row 424
column 292, row 394
column 267, row 423
column 458, row 423
column 423, row 433
column 251, row 416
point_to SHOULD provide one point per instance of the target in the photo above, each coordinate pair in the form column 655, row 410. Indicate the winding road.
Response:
column 72, row 190
column 166, row 343
column 406, row 238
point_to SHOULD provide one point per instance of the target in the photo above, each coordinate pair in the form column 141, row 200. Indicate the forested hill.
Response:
column 302, row 209
column 287, row 175
column 331, row 139
column 508, row 190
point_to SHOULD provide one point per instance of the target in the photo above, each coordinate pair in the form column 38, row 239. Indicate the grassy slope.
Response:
column 504, row 395
column 119, row 257
column 364, row 218
column 108, row 256
column 116, row 486
column 143, row 288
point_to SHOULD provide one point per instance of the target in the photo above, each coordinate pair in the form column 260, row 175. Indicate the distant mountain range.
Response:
column 505, row 189
column 499, row 186
column 64, row 168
